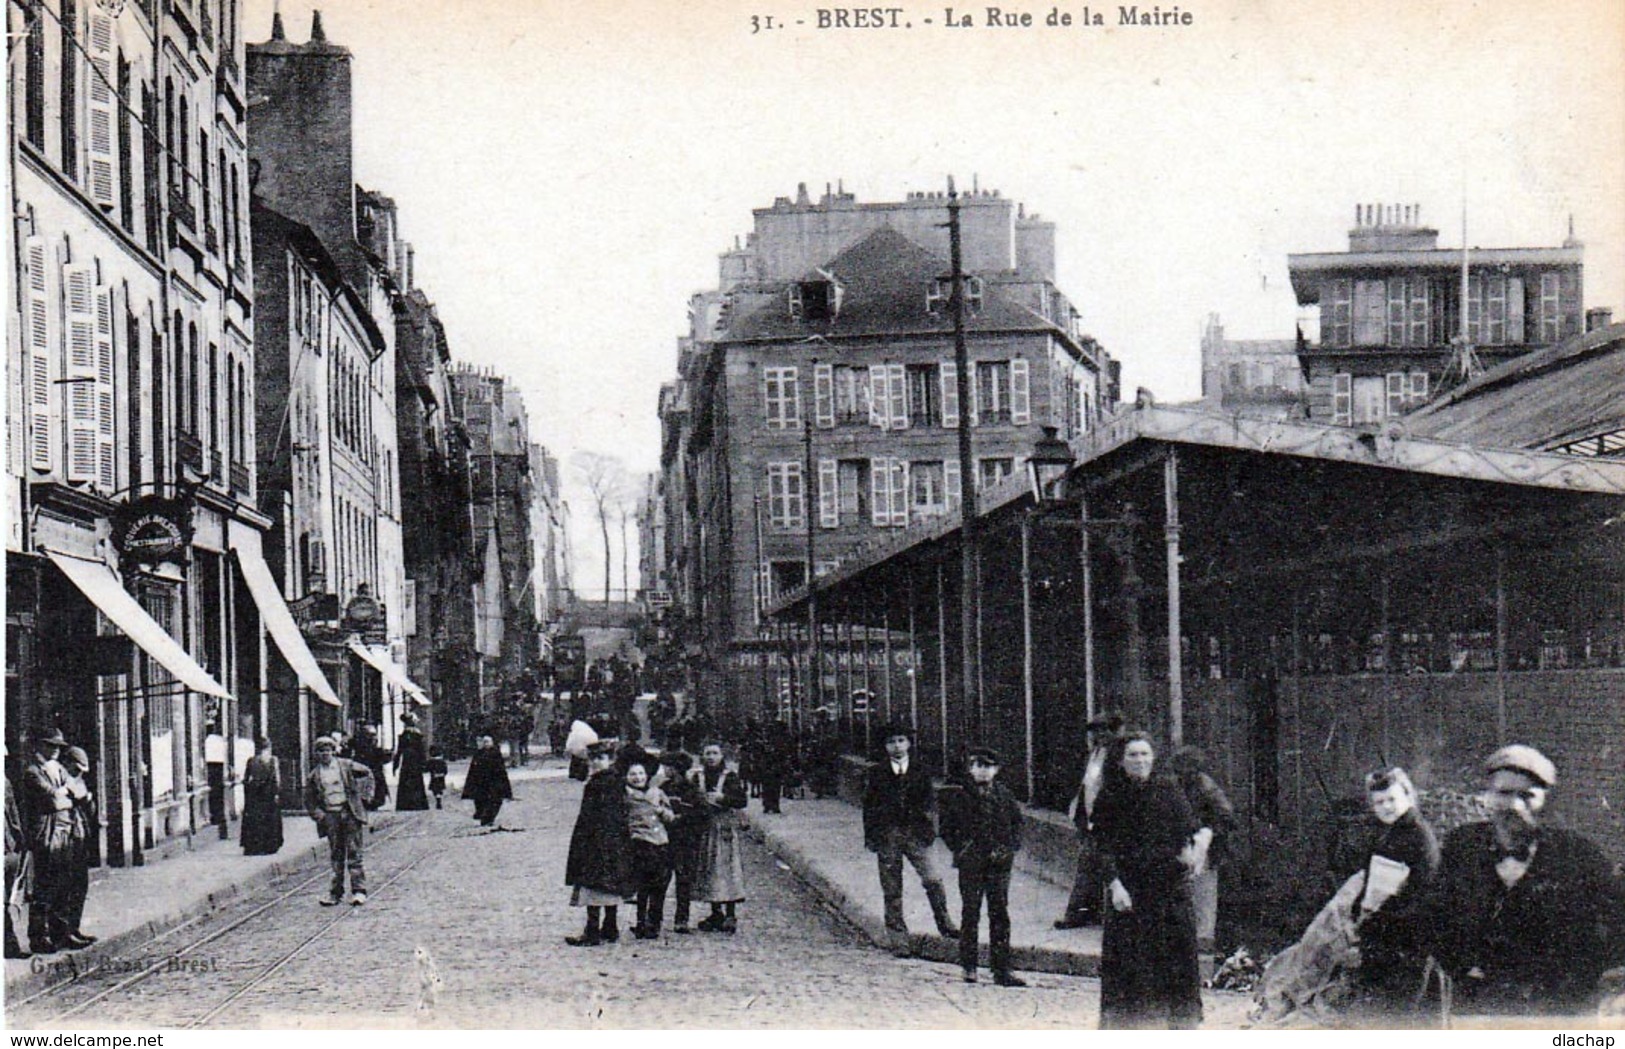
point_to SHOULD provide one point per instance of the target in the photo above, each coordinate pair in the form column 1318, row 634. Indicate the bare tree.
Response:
column 606, row 480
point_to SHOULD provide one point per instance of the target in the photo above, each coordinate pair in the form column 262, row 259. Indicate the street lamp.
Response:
column 1049, row 462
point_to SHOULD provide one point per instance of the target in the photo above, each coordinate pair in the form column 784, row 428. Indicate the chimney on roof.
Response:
column 317, row 34
column 1599, row 317
column 277, row 32
column 801, row 193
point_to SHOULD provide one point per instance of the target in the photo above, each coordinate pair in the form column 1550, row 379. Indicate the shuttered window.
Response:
column 897, row 395
column 1336, row 313
column 103, row 182
column 41, row 361
column 879, row 397
column 106, row 415
column 1342, row 399
column 1021, row 411
column 1397, row 391
column 950, row 393
column 829, row 502
column 823, row 396
column 79, row 387
column 951, row 484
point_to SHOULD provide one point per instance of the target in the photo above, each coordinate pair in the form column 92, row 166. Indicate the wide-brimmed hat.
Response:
column 1519, row 757
column 78, row 757
column 53, row 737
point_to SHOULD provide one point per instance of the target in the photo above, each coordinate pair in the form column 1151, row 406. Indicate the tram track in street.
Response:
column 141, row 965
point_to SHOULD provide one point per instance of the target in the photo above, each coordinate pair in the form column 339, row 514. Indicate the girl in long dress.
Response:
column 262, row 811
column 719, row 876
column 1149, row 841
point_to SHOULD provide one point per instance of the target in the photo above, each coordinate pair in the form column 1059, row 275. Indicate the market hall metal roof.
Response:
column 1391, row 448
column 1556, row 397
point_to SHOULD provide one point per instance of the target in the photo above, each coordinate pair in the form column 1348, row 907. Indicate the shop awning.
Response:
column 392, row 671
column 98, row 583
column 280, row 625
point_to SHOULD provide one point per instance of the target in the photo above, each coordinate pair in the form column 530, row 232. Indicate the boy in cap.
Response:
column 1526, row 917
column 982, row 825
column 899, row 820
column 75, row 886
column 335, row 797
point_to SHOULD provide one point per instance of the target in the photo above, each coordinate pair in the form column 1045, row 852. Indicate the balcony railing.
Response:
column 189, row 450
column 239, row 479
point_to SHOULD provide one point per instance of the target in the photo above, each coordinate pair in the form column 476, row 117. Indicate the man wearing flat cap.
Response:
column 1084, row 905
column 900, row 820
column 1526, row 916
column 335, row 797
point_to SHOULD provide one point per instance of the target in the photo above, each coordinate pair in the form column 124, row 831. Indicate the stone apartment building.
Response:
column 130, row 411
column 817, row 391
column 1391, row 312
column 302, row 147
column 1252, row 376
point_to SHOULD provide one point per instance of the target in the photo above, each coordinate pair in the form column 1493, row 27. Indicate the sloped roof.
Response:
column 1563, row 393
column 885, row 278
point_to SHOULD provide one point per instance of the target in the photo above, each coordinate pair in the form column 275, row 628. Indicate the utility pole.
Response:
column 970, row 598
column 815, row 662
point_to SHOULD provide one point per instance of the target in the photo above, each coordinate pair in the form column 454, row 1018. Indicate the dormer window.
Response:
column 936, row 297
column 816, row 300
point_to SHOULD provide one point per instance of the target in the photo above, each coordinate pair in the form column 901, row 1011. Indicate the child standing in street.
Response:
column 982, row 825
column 436, row 768
column 688, row 805
column 647, row 815
column 599, row 868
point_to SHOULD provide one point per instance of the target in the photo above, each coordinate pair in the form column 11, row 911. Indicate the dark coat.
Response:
column 487, row 778
column 1542, row 944
column 1393, row 939
column 600, row 846
column 408, row 763
column 981, row 826
column 1212, row 809
column 907, row 803
column 1149, row 972
column 261, row 833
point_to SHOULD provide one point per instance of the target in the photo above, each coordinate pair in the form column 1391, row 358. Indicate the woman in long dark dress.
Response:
column 408, row 766
column 1149, row 974
column 262, row 811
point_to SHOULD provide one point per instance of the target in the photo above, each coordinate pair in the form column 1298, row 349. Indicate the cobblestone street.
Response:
column 492, row 911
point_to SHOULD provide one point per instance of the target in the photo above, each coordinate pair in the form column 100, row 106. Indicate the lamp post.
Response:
column 1050, row 460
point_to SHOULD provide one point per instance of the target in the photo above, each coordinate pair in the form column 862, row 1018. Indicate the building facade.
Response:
column 1392, row 327
column 131, row 408
column 817, row 405
column 1253, row 376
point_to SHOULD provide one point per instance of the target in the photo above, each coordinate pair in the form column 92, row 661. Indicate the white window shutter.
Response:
column 1396, row 393
column 790, row 390
column 1342, row 399
column 1021, row 405
column 951, row 480
column 879, row 397
column 829, row 503
column 106, row 412
column 897, row 391
column 1419, row 388
column 80, row 389
column 950, row 394
column 42, row 442
column 769, row 382
column 100, row 109
column 795, row 487
column 824, row 395
column 975, row 394
column 880, row 492
column 899, row 492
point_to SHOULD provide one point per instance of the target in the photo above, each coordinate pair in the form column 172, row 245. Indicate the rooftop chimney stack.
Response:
column 317, row 34
column 277, row 32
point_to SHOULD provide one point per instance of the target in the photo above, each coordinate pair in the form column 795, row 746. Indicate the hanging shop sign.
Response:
column 151, row 530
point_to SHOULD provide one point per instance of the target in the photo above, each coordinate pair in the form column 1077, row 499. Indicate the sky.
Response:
column 568, row 172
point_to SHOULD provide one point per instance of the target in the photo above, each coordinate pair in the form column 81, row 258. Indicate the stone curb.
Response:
column 870, row 921
column 56, row 968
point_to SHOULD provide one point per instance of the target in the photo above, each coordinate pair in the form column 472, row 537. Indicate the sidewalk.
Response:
column 822, row 842
column 130, row 906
